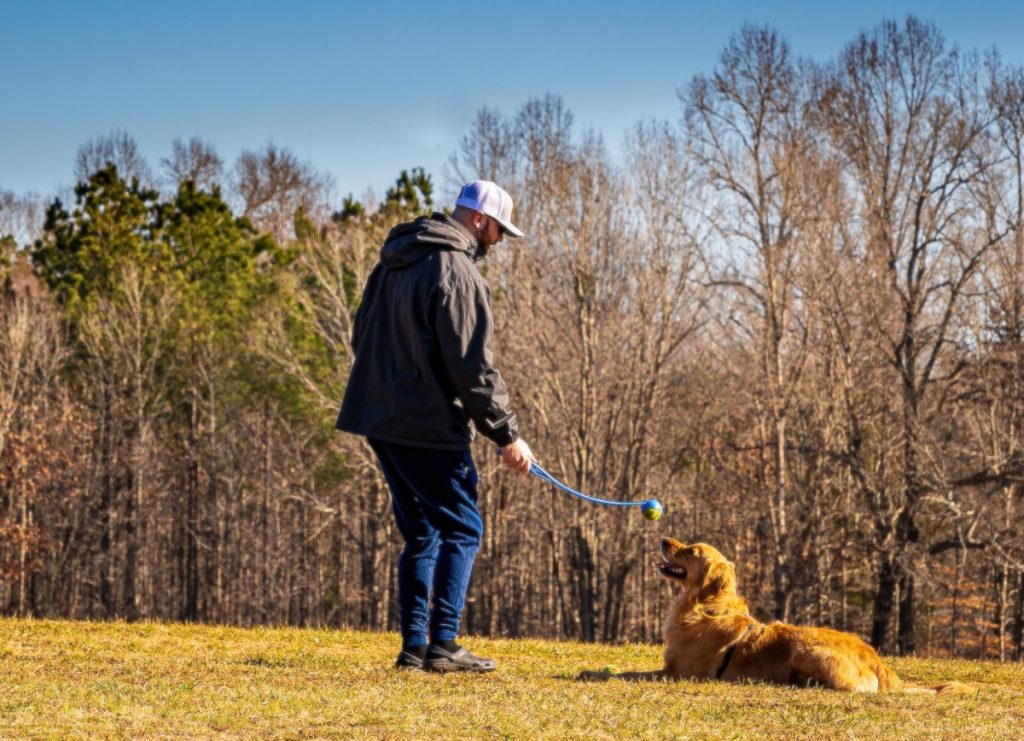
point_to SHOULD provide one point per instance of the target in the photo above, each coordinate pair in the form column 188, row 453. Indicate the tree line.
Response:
column 795, row 316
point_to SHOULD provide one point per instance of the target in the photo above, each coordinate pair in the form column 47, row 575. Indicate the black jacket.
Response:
column 423, row 366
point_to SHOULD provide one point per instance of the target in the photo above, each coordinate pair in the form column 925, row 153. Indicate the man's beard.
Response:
column 481, row 249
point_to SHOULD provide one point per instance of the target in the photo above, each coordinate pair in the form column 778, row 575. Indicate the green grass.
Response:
column 117, row 680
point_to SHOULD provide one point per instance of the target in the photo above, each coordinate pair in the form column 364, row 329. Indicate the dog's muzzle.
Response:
column 671, row 570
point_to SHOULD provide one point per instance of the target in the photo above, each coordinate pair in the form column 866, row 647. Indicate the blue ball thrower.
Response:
column 650, row 508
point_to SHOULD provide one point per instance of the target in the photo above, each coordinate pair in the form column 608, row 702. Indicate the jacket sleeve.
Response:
column 464, row 329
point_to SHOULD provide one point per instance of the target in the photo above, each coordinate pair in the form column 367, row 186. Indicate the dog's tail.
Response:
column 945, row 688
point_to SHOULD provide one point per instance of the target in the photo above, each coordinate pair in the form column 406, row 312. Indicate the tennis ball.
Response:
column 651, row 509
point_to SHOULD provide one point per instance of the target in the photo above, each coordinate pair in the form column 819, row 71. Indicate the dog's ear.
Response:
column 720, row 577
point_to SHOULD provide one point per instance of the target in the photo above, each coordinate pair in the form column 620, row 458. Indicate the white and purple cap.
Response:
column 487, row 198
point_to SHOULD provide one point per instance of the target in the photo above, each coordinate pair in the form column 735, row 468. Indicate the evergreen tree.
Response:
column 113, row 221
column 410, row 196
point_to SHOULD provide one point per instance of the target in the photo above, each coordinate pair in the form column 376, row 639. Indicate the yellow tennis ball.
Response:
column 651, row 509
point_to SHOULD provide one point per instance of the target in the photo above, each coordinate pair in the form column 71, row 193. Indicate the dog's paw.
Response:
column 588, row 676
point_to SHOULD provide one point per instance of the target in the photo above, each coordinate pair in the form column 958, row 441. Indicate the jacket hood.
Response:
column 409, row 242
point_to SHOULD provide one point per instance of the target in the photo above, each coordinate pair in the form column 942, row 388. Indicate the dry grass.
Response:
column 115, row 680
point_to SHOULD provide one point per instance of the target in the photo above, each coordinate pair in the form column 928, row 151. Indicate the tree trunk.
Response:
column 134, row 507
column 26, row 529
column 1002, row 585
column 586, row 588
column 131, row 556
column 906, row 528
column 213, row 577
column 884, row 602
column 905, row 643
column 191, row 611
column 782, row 573
column 264, row 520
column 782, row 587
column 615, row 600
column 1018, row 622
column 955, row 609
column 106, row 497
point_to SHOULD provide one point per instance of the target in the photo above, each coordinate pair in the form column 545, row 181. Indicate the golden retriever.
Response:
column 709, row 634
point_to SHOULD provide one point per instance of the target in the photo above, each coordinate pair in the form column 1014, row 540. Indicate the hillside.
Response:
column 117, row 680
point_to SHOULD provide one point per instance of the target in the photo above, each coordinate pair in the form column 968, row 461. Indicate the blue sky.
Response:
column 364, row 90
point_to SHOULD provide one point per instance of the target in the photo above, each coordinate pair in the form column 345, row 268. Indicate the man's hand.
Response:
column 518, row 456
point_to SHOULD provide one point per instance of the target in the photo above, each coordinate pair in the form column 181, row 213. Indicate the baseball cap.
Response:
column 487, row 198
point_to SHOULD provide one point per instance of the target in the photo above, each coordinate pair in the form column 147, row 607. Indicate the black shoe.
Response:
column 407, row 660
column 460, row 660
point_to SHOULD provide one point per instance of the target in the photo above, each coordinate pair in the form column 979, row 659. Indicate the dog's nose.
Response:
column 666, row 543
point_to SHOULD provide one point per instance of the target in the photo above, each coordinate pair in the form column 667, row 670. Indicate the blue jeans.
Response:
column 433, row 495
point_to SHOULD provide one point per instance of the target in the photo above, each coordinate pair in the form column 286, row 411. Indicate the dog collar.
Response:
column 729, row 652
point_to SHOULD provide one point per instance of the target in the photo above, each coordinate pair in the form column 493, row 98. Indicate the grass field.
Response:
column 116, row 680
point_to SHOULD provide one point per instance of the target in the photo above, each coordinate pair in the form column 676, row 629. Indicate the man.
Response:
column 422, row 379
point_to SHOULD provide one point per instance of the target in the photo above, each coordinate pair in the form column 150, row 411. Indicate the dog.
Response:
column 710, row 634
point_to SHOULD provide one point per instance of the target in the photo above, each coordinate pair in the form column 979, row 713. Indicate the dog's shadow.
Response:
column 585, row 676
column 605, row 676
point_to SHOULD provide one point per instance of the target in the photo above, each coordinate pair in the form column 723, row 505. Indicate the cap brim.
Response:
column 509, row 228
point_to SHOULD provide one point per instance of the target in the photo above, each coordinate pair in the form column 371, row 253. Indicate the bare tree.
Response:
column 32, row 353
column 906, row 115
column 488, row 151
column 991, row 391
column 118, row 148
column 273, row 185
column 750, row 137
column 196, row 161
column 127, row 336
column 20, row 217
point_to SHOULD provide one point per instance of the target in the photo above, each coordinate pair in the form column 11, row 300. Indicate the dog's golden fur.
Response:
column 710, row 634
